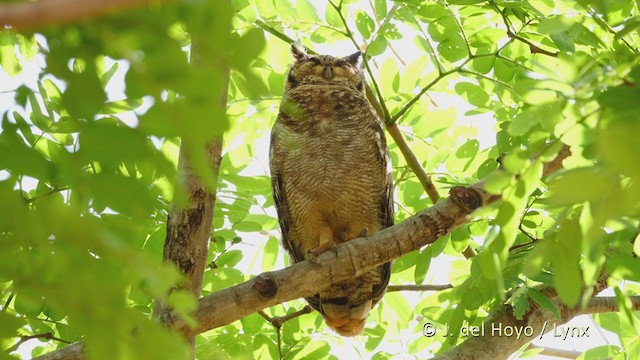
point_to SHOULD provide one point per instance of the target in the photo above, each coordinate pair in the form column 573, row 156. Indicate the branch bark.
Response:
column 25, row 16
column 189, row 228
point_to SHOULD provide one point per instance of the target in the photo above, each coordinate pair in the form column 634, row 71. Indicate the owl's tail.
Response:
column 346, row 305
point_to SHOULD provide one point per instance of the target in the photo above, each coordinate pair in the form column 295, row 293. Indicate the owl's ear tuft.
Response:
column 353, row 59
column 298, row 51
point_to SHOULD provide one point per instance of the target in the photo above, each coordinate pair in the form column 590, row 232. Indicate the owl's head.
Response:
column 324, row 69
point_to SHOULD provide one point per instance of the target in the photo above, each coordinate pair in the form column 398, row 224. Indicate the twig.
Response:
column 43, row 336
column 603, row 24
column 6, row 303
column 469, row 252
column 419, row 287
column 338, row 9
column 278, row 321
column 50, row 192
column 413, row 162
column 535, row 49
column 384, row 22
column 522, row 230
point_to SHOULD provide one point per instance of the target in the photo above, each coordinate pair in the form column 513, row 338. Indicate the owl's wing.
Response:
column 284, row 214
column 386, row 217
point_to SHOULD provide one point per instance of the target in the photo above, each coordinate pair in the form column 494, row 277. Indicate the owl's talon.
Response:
column 364, row 232
column 312, row 254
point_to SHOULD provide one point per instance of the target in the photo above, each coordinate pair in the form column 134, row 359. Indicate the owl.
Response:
column 331, row 177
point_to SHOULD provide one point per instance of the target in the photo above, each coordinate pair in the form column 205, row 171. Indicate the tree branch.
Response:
column 25, row 16
column 535, row 49
column 278, row 321
column 189, row 227
column 44, row 336
column 413, row 162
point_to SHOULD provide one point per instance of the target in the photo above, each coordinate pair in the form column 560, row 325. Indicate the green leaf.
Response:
column 497, row 181
column 555, row 24
column 565, row 261
column 547, row 114
column 307, row 11
column 544, row 302
column 120, row 106
column 247, row 48
column 364, row 24
column 333, row 18
column 38, row 118
column 9, row 325
column 24, row 160
column 617, row 145
column 453, row 48
column 107, row 75
column 27, row 305
column 486, row 37
column 579, row 185
column 460, row 239
column 377, row 46
column 374, row 337
column 601, row 352
column 229, row 258
column 564, row 42
column 520, row 305
column 8, row 60
column 270, row 254
column 473, row 93
column 465, row 2
column 24, row 127
column 84, row 96
column 423, row 260
column 380, row 9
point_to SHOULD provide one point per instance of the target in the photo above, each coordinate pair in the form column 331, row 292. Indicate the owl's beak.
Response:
column 328, row 72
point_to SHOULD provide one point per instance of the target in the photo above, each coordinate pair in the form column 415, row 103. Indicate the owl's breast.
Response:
column 329, row 134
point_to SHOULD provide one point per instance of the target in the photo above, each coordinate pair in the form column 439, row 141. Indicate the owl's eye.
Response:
column 315, row 61
column 340, row 63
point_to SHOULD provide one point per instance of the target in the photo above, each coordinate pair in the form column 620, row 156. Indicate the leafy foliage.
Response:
column 89, row 146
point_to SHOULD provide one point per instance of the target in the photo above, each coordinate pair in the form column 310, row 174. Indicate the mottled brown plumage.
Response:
column 331, row 177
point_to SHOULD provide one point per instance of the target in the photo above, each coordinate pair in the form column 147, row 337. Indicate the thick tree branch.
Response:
column 26, row 15
column 189, row 227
